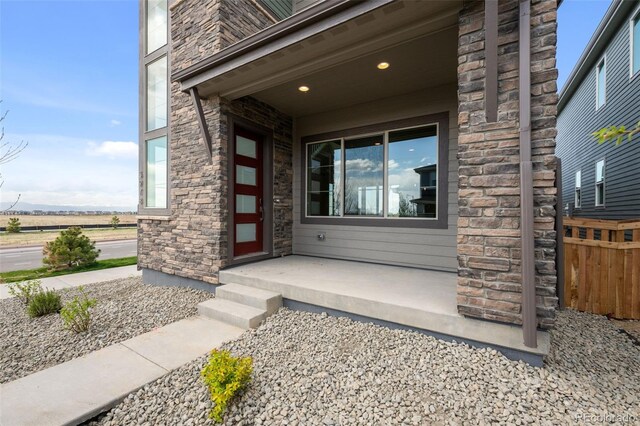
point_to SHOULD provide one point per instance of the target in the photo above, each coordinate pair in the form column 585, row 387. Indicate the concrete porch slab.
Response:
column 416, row 298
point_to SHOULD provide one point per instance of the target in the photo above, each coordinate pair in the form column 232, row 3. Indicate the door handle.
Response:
column 261, row 211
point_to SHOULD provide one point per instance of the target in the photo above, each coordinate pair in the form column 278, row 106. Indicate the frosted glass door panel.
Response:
column 245, row 175
column 245, row 147
column 245, row 204
column 245, row 232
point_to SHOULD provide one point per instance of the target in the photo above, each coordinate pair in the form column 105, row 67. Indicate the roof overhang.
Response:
column 316, row 39
column 607, row 28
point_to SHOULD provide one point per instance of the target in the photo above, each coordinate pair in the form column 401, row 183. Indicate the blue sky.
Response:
column 69, row 78
column 577, row 20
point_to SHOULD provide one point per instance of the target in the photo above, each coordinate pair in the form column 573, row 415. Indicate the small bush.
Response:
column 70, row 249
column 13, row 226
column 115, row 221
column 44, row 303
column 225, row 376
column 77, row 313
column 25, row 291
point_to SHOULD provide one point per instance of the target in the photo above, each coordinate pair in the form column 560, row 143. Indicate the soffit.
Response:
column 428, row 61
column 393, row 30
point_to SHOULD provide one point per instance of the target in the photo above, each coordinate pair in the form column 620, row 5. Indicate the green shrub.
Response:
column 225, row 376
column 44, row 303
column 115, row 221
column 13, row 225
column 70, row 249
column 25, row 291
column 77, row 313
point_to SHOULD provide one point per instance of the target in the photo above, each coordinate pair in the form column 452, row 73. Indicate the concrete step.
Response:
column 232, row 313
column 256, row 297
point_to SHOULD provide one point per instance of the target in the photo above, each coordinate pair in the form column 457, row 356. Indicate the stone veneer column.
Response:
column 489, row 270
column 192, row 241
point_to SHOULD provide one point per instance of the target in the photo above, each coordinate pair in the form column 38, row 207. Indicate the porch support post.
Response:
column 206, row 136
column 491, row 60
column 559, row 234
column 529, row 323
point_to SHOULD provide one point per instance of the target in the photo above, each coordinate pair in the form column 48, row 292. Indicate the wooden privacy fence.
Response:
column 602, row 266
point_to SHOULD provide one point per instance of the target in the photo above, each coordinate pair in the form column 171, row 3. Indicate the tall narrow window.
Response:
column 600, row 173
column 156, row 178
column 157, row 94
column 601, row 84
column 635, row 44
column 578, row 195
column 154, row 107
column 156, row 24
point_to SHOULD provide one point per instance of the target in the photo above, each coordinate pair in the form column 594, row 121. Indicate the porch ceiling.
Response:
column 424, row 62
column 337, row 58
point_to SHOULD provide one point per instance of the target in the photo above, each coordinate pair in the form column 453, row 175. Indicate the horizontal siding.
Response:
column 414, row 247
column 579, row 150
column 280, row 8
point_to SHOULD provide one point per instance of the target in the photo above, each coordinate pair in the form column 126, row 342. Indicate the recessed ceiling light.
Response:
column 383, row 65
column 303, row 88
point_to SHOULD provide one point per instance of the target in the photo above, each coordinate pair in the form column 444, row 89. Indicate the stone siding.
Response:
column 192, row 241
column 489, row 274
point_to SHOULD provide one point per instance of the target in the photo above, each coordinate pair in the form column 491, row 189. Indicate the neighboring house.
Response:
column 602, row 181
column 380, row 131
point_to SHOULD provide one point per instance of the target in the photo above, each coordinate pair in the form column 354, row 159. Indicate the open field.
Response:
column 41, row 237
column 30, row 220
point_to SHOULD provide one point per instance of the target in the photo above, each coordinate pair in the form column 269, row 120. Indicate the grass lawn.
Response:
column 41, row 237
column 32, row 274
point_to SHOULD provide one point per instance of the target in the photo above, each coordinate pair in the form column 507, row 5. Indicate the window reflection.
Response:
column 413, row 172
column 323, row 179
column 364, row 176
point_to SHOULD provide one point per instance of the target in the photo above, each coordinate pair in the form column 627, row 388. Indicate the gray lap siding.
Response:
column 579, row 150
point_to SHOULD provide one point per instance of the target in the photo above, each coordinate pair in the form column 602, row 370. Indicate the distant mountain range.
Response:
column 54, row 208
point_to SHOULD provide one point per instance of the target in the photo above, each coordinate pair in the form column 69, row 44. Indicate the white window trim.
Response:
column 576, row 187
column 602, row 60
column 604, row 179
column 385, row 180
column 635, row 15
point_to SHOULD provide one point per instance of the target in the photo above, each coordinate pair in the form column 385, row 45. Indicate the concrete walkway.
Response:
column 81, row 278
column 78, row 390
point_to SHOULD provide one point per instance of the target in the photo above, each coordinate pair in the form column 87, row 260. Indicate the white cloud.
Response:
column 115, row 123
column 113, row 149
column 363, row 165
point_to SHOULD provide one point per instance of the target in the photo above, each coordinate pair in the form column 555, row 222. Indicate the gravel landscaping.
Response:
column 126, row 308
column 313, row 369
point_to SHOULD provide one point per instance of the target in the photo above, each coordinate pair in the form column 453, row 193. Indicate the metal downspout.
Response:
column 529, row 323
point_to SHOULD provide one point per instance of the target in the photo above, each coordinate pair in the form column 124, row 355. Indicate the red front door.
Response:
column 248, row 193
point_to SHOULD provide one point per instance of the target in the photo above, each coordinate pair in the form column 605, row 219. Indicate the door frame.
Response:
column 234, row 121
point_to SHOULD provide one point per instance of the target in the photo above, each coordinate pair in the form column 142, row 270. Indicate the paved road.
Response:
column 15, row 259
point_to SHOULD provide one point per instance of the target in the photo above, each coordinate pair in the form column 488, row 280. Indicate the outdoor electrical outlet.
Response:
column 321, row 236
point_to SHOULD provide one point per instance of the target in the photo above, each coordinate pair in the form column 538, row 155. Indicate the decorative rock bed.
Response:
column 312, row 369
column 126, row 308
